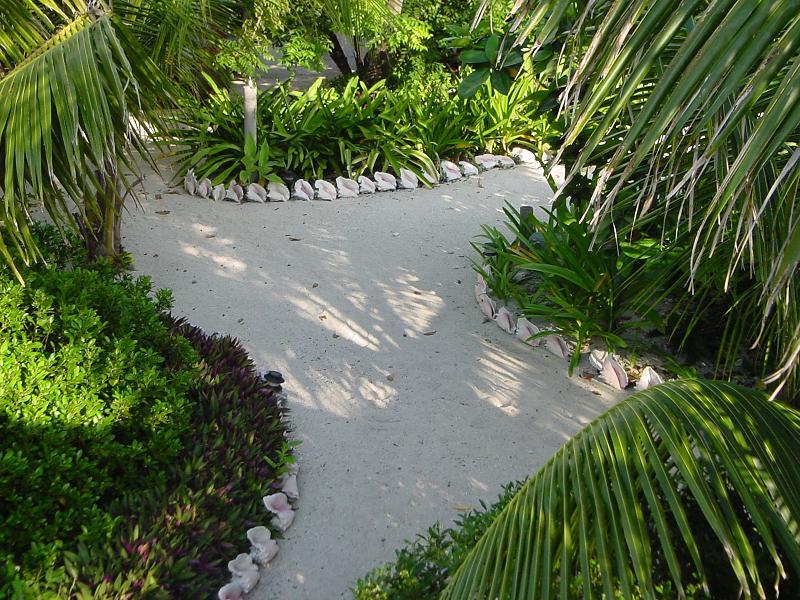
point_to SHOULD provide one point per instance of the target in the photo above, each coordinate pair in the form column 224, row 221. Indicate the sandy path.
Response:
column 400, row 426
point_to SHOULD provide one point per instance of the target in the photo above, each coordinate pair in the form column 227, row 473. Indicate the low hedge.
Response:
column 134, row 448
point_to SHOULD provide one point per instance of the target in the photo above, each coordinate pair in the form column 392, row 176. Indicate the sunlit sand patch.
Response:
column 227, row 265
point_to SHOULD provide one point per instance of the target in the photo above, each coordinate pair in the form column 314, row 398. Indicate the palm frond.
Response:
column 66, row 109
column 612, row 507
column 182, row 35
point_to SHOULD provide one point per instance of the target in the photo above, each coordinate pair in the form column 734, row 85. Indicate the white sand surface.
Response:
column 409, row 405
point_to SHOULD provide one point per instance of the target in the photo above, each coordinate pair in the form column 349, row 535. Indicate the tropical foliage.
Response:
column 687, row 117
column 83, row 84
column 559, row 277
column 686, row 489
column 114, row 480
column 323, row 131
column 71, row 80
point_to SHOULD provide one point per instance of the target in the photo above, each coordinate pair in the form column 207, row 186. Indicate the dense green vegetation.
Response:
column 324, row 132
column 115, row 474
column 684, row 130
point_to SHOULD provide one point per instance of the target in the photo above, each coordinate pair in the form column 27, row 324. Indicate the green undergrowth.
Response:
column 134, row 448
column 626, row 294
column 326, row 132
column 421, row 568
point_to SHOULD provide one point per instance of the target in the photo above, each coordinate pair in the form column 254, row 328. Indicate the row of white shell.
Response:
column 244, row 568
column 343, row 187
column 608, row 367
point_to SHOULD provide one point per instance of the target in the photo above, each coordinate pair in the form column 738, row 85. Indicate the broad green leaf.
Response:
column 501, row 81
column 473, row 57
column 491, row 48
column 472, row 83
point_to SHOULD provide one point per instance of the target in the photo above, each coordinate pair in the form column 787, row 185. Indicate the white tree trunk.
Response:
column 250, row 107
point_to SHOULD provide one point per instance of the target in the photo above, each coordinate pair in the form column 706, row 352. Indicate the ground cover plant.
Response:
column 639, row 504
column 134, row 449
column 324, row 131
column 559, row 277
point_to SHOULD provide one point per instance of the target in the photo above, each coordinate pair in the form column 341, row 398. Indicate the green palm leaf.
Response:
column 73, row 87
column 617, row 496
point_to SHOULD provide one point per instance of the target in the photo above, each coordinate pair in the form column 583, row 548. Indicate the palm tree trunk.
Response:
column 339, row 56
column 101, row 222
column 250, row 109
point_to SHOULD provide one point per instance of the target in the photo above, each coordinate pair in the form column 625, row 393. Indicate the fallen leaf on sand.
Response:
column 162, row 212
column 323, row 317
column 294, row 239
column 429, row 332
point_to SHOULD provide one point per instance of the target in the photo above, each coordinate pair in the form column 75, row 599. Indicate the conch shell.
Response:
column 525, row 330
column 190, row 183
column 468, row 169
column 278, row 504
column 385, row 182
column 407, row 180
column 256, row 193
column 556, row 345
column 264, row 548
column 230, row 591
column 613, row 374
column 277, row 192
column 487, row 305
column 244, row 572
column 325, row 190
column 347, row 187
column 204, row 188
column 649, row 378
column 450, row 170
column 303, row 190
column 505, row 320
column 366, row 185
column 486, row 161
column 218, row 192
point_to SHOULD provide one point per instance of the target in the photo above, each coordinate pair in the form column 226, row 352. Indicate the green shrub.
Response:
column 556, row 273
column 86, row 411
column 134, row 449
column 324, row 132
